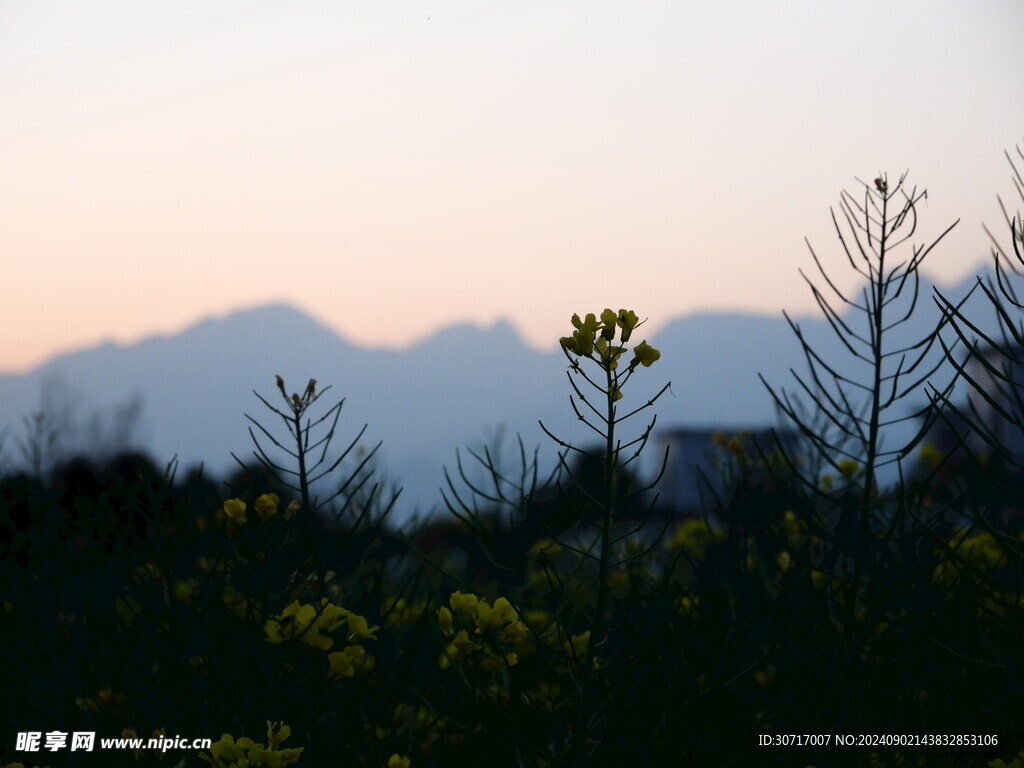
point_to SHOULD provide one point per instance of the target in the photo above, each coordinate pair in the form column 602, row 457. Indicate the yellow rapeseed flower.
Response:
column 235, row 509
column 225, row 751
column 792, row 523
column 458, row 649
column 359, row 627
column 627, row 321
column 930, row 454
column 464, row 606
column 687, row 604
column 399, row 761
column 185, row 590
column 245, row 753
column 589, row 324
column 694, row 535
column 644, row 355
column 609, row 354
column 608, row 320
column 344, row 663
column 331, row 616
column 582, row 340
column 295, row 620
column 784, row 561
column 488, row 618
column 314, row 627
column 127, row 608
column 237, row 604
column 402, row 612
column 569, row 343
column 463, row 645
column 492, row 661
column 514, row 633
column 266, row 505
column 276, row 733
column 981, row 550
column 539, row 620
column 444, row 621
column 291, row 509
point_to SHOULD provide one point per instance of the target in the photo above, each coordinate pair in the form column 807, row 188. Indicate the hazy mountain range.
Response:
column 451, row 390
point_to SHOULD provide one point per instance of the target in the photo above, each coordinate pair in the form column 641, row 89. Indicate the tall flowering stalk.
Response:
column 852, row 402
column 305, row 463
column 594, row 340
column 855, row 396
column 298, row 459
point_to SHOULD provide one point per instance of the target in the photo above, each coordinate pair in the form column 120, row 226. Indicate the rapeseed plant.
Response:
column 581, row 346
column 980, row 550
column 246, row 753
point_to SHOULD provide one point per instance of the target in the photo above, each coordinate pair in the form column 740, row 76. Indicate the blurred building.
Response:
column 703, row 461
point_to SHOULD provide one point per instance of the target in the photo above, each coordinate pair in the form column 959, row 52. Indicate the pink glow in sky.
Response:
column 393, row 167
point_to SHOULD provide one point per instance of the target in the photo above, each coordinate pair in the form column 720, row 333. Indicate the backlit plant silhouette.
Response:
column 849, row 400
column 593, row 344
column 544, row 625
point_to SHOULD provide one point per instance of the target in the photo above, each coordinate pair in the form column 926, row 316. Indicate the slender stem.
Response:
column 597, row 622
column 878, row 329
column 307, row 508
column 851, row 632
column 301, row 453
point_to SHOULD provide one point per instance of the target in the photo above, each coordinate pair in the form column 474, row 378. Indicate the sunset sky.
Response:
column 392, row 167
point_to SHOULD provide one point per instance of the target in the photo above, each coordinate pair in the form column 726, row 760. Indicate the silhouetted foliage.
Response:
column 552, row 619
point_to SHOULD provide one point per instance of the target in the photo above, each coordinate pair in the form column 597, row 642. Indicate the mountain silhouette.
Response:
column 451, row 390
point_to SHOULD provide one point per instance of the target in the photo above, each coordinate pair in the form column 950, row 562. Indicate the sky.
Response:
column 393, row 167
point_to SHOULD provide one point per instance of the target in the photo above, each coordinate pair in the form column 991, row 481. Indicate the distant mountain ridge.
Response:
column 447, row 391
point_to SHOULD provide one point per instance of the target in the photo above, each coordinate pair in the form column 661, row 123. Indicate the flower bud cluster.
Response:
column 498, row 633
column 980, row 549
column 593, row 335
column 266, row 507
column 314, row 629
column 243, row 753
